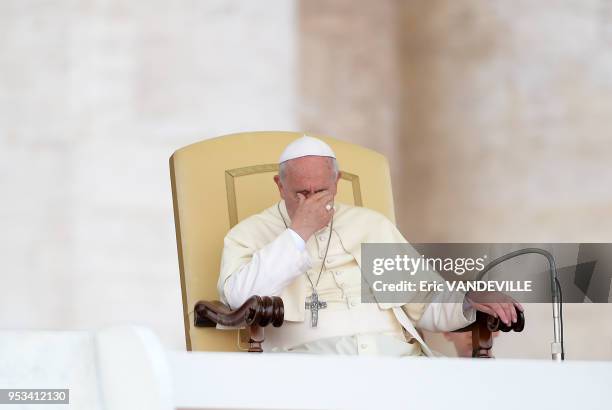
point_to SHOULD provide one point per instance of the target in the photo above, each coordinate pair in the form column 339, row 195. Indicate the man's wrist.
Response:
column 304, row 233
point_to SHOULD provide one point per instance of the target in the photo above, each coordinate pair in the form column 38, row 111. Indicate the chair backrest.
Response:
column 218, row 182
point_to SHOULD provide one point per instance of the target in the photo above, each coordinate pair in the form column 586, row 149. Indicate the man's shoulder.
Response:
column 347, row 213
column 364, row 225
column 265, row 220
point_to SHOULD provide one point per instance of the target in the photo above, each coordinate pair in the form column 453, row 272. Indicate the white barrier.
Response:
column 126, row 368
column 284, row 381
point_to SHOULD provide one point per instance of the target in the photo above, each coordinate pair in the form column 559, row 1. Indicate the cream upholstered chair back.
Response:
column 218, row 182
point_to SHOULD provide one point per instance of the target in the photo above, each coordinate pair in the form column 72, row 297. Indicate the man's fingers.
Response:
column 513, row 305
column 326, row 200
column 319, row 196
column 519, row 306
column 322, row 200
column 513, row 311
column 506, row 308
column 504, row 311
column 510, row 311
column 501, row 313
column 486, row 309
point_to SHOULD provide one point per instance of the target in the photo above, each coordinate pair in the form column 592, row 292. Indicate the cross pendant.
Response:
column 314, row 304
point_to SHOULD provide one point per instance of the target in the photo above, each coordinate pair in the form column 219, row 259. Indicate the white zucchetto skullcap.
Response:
column 306, row 146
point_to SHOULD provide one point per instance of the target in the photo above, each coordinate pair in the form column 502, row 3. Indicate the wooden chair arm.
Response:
column 484, row 327
column 256, row 313
column 259, row 311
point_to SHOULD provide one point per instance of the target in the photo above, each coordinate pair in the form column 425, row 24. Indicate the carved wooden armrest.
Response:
column 482, row 332
column 256, row 313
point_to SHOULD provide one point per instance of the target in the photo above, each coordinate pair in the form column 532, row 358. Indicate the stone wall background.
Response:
column 494, row 116
column 506, row 108
column 349, row 72
column 94, row 98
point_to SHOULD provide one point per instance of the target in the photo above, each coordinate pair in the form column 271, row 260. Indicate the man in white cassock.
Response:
column 307, row 250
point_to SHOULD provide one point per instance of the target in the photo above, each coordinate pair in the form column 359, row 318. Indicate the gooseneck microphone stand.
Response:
column 556, row 347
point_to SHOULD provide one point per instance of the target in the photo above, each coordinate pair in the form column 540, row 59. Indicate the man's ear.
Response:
column 279, row 184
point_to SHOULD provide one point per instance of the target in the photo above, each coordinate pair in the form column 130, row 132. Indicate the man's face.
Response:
column 307, row 176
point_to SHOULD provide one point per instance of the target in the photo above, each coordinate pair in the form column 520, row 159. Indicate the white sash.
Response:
column 405, row 321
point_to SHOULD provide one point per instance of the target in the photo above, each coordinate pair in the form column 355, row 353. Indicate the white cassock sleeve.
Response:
column 447, row 311
column 269, row 270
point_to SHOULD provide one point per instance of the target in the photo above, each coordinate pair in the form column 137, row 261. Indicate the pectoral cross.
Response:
column 314, row 304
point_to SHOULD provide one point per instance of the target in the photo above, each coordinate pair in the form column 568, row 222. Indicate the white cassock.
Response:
column 261, row 256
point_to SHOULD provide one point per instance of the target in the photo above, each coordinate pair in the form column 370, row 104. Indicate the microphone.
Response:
column 556, row 347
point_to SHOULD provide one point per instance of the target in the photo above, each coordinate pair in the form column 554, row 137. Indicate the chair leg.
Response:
column 482, row 340
column 256, row 338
